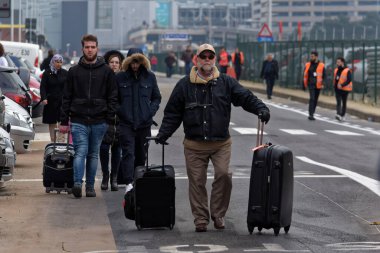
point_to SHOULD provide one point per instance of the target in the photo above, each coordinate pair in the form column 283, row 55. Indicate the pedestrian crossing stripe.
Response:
column 346, row 133
column 297, row 132
column 243, row 130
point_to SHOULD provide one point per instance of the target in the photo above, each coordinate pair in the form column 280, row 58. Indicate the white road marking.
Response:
column 357, row 246
column 273, row 247
column 131, row 249
column 181, row 177
column 297, row 132
column 346, row 133
column 243, row 130
column 365, row 129
column 154, row 132
column 211, row 248
column 42, row 137
column 371, row 184
column 232, row 124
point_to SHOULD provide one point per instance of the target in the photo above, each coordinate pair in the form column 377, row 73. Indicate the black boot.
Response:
column 113, row 181
column 104, row 185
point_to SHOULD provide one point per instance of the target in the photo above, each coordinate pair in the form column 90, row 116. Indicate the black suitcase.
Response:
column 58, row 166
column 271, row 187
column 154, row 194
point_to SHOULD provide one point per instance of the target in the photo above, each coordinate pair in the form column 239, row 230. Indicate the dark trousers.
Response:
column 313, row 101
column 188, row 67
column 133, row 150
column 238, row 72
column 105, row 158
column 341, row 101
column 169, row 71
column 270, row 83
column 223, row 69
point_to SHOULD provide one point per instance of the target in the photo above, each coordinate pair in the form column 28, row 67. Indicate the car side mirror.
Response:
column 24, row 74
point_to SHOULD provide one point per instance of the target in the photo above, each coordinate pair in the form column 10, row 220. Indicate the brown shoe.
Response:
column 201, row 228
column 219, row 223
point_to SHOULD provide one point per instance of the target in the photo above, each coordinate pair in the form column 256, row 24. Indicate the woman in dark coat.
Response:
column 53, row 80
column 111, row 138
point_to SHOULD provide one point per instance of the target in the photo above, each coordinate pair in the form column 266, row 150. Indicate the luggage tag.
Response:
column 260, row 147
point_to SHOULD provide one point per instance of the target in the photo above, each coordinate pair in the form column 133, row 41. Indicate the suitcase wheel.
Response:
column 171, row 226
column 47, row 190
column 260, row 228
column 58, row 192
column 250, row 229
column 69, row 191
column 276, row 231
column 138, row 227
column 287, row 229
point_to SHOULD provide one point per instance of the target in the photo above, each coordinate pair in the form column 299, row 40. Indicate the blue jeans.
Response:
column 87, row 140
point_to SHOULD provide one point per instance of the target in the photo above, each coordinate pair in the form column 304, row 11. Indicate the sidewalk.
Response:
column 360, row 110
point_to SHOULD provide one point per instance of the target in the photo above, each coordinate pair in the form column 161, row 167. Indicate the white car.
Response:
column 22, row 126
column 7, row 157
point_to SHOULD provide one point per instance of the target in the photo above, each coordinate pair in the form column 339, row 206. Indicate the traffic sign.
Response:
column 265, row 39
column 265, row 31
column 5, row 8
column 175, row 36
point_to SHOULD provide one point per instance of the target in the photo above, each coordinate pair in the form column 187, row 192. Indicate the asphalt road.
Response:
column 336, row 194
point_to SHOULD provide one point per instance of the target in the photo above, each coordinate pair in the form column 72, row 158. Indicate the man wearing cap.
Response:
column 202, row 102
column 139, row 99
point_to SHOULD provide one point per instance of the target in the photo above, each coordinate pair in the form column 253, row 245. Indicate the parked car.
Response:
column 22, row 126
column 33, row 85
column 12, row 87
column 7, row 157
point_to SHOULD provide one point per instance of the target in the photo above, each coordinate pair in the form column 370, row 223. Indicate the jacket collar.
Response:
column 194, row 78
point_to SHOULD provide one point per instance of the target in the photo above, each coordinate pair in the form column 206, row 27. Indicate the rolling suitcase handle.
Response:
column 260, row 133
column 56, row 130
column 150, row 138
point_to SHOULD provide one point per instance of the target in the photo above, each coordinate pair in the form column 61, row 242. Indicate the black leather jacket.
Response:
column 205, row 109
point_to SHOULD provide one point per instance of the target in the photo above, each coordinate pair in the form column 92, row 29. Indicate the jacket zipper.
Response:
column 89, row 90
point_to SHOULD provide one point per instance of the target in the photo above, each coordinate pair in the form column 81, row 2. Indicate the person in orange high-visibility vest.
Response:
column 314, row 76
column 343, row 86
column 237, row 58
column 223, row 60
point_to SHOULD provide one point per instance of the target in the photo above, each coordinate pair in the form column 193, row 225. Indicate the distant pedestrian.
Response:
column 187, row 57
column 202, row 103
column 154, row 62
column 114, row 59
column 139, row 99
column 52, row 83
column 237, row 58
column 343, row 86
column 3, row 61
column 269, row 72
column 314, row 76
column 223, row 60
column 46, row 62
column 90, row 101
column 170, row 61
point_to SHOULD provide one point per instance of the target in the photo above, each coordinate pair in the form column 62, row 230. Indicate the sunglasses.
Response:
column 204, row 57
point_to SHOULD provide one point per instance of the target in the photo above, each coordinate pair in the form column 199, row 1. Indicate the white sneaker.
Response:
column 128, row 188
column 342, row 118
column 338, row 117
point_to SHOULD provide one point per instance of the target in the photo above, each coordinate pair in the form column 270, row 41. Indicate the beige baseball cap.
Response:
column 205, row 47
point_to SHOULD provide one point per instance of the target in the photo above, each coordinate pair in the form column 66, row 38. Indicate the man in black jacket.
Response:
column 139, row 99
column 202, row 102
column 269, row 72
column 89, row 103
column 46, row 62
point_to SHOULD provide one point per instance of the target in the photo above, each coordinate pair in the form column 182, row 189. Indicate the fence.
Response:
column 361, row 57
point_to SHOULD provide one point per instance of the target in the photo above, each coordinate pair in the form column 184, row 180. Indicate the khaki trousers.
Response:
column 197, row 155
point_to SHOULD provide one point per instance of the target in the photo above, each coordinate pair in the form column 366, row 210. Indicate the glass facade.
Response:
column 103, row 14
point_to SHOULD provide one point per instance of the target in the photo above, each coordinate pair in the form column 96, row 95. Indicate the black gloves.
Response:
column 264, row 116
column 161, row 139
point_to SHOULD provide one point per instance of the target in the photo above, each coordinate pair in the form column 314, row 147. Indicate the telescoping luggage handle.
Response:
column 153, row 138
column 259, row 136
column 56, row 130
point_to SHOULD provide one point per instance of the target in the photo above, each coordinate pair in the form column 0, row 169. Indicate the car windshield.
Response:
column 17, row 61
column 10, row 81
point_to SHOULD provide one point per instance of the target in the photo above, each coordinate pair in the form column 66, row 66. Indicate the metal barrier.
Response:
column 360, row 56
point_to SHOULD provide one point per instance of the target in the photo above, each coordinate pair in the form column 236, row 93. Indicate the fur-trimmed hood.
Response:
column 137, row 56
